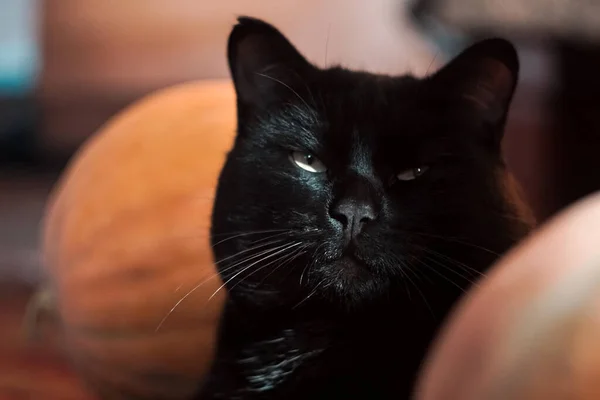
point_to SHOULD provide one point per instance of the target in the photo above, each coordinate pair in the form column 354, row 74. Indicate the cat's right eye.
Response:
column 307, row 162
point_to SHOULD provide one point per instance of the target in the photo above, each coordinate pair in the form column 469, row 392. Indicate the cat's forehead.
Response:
column 366, row 104
column 364, row 93
column 367, row 110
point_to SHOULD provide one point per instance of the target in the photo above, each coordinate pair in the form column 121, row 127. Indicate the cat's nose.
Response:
column 354, row 214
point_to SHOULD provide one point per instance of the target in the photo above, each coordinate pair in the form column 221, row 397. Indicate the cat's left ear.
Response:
column 483, row 77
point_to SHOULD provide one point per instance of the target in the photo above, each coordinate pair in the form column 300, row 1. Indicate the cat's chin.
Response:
column 351, row 268
column 349, row 282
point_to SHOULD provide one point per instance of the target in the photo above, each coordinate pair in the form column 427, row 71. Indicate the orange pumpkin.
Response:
column 126, row 240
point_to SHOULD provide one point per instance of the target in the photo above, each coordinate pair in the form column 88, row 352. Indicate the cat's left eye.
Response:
column 307, row 162
column 411, row 174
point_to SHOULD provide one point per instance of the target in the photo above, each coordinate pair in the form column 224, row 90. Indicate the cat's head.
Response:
column 342, row 185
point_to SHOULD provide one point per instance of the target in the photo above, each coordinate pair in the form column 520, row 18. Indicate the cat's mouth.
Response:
column 349, row 257
column 349, row 271
column 352, row 263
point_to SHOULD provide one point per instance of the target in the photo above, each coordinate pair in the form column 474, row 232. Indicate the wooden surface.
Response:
column 32, row 370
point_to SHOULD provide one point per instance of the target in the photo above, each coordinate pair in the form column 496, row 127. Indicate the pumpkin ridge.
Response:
column 130, row 216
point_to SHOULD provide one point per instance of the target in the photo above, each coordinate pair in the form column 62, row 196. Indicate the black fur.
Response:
column 316, row 309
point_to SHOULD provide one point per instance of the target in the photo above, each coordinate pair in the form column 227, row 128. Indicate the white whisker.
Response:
column 294, row 255
column 213, row 276
column 311, row 294
column 236, row 235
column 249, row 266
column 409, row 269
column 283, row 257
column 248, row 250
column 443, row 276
column 309, row 265
column 449, row 269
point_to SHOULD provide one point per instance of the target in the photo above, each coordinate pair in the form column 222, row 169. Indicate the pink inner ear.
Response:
column 491, row 86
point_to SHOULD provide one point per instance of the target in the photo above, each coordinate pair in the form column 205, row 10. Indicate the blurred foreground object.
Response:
column 530, row 330
column 126, row 244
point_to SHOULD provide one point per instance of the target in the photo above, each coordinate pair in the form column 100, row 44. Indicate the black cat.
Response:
column 352, row 212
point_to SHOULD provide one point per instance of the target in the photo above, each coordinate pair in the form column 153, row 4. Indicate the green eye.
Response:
column 307, row 162
column 411, row 174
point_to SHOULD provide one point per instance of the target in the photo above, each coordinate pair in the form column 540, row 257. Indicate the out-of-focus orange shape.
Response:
column 531, row 330
column 126, row 244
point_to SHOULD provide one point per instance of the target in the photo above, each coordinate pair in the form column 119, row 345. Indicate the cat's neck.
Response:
column 318, row 314
column 325, row 341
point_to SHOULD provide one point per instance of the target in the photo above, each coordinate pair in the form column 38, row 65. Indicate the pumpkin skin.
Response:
column 126, row 236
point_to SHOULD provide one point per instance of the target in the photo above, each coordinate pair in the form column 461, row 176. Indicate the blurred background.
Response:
column 66, row 66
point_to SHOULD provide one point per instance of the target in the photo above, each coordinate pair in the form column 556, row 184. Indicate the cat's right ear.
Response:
column 264, row 65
